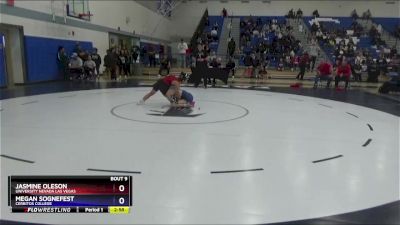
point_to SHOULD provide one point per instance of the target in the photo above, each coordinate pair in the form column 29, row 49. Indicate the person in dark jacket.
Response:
column 62, row 62
column 110, row 62
column 373, row 71
column 97, row 59
column 232, row 66
column 231, row 47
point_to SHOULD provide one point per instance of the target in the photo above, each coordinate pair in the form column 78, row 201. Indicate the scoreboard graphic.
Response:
column 70, row 194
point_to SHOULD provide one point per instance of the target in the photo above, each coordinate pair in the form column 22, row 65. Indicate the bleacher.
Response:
column 255, row 41
column 389, row 24
column 364, row 42
column 212, row 20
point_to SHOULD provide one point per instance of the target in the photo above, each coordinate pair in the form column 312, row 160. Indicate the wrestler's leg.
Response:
column 170, row 95
column 147, row 96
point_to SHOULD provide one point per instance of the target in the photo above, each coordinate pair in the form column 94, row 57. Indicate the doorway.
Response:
column 12, row 57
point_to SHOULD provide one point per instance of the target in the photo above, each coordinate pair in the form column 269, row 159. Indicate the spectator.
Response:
column 366, row 15
column 97, row 59
column 299, row 14
column 76, row 65
column 75, row 62
column 314, row 52
column 357, row 70
column 248, row 63
column 231, row 47
column 152, row 56
column 354, row 14
column 182, row 47
column 379, row 29
column 324, row 72
column 215, row 63
column 135, row 54
column 224, row 13
column 165, row 65
column 291, row 14
column 128, row 61
column 304, row 61
column 373, row 71
column 315, row 13
column 343, row 73
column 301, row 28
column 89, row 67
column 214, row 35
column 397, row 32
column 62, row 62
column 110, row 62
column 232, row 67
column 121, row 64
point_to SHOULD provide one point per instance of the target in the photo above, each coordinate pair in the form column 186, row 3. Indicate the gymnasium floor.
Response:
column 252, row 155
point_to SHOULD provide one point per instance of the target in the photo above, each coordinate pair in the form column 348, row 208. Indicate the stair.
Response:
column 234, row 24
column 386, row 36
column 302, row 37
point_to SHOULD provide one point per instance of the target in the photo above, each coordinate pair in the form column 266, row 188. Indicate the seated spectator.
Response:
column 75, row 62
column 343, row 73
column 214, row 35
column 256, row 33
column 89, row 67
column 215, row 26
column 324, row 72
column 280, row 66
column 76, row 65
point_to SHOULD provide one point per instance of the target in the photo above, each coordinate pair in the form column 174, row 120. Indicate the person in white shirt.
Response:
column 89, row 66
column 379, row 29
column 75, row 62
column 182, row 48
column 300, row 28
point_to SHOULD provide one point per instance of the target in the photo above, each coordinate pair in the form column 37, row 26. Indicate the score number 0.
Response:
column 121, row 200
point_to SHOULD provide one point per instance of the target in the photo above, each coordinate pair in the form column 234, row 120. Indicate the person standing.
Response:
column 62, row 62
column 97, row 59
column 314, row 52
column 110, row 62
column 302, row 65
column 182, row 47
column 231, row 47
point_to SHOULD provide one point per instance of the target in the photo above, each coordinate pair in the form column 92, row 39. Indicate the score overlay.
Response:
column 70, row 194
